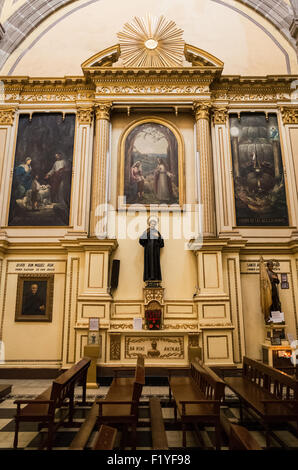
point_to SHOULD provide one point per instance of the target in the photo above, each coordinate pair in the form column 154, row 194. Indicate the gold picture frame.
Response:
column 34, row 302
column 175, row 176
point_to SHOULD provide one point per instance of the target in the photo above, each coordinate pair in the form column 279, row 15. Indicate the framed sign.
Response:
column 93, row 324
column 284, row 281
column 34, row 297
column 138, row 324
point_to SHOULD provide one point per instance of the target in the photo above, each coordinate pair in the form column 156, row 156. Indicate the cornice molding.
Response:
column 192, row 83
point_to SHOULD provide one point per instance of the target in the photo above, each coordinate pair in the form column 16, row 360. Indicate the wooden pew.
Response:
column 121, row 403
column 43, row 408
column 239, row 437
column 197, row 398
column 159, row 437
column 270, row 393
column 81, row 438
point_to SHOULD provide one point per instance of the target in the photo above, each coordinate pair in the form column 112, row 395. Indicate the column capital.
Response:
column 102, row 110
column 289, row 115
column 85, row 115
column 202, row 109
column 220, row 114
column 7, row 115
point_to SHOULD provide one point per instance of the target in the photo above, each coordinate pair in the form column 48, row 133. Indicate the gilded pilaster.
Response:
column 85, row 115
column 202, row 115
column 99, row 168
column 289, row 115
column 7, row 116
column 80, row 207
column 220, row 115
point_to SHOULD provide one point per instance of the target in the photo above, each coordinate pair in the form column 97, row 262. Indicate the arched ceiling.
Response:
column 31, row 13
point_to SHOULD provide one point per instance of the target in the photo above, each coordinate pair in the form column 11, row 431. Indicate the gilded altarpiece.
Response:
column 211, row 323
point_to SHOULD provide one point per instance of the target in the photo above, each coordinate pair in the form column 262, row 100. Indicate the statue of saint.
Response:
column 152, row 241
column 265, row 291
column 276, row 306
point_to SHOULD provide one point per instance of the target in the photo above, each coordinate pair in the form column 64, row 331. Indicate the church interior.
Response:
column 149, row 225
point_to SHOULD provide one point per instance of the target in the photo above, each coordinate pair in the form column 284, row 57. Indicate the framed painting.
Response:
column 34, row 297
column 151, row 168
column 42, row 172
column 259, row 185
column 93, row 337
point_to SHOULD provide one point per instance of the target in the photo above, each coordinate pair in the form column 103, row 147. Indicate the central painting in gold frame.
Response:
column 151, row 164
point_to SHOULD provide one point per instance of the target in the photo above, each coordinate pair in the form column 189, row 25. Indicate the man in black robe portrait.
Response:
column 33, row 302
column 152, row 241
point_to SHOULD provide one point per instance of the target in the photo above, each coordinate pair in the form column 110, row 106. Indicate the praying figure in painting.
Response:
column 23, row 175
column 152, row 241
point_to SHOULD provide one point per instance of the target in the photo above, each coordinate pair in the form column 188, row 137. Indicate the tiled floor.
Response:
column 30, row 437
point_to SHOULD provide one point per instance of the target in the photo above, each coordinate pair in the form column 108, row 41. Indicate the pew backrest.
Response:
column 276, row 382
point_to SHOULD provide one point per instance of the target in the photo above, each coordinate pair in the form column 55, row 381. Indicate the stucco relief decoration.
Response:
column 151, row 42
column 7, row 116
column 85, row 116
column 289, row 115
column 220, row 115
column 153, row 294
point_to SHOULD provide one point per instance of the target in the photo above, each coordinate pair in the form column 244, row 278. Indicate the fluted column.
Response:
column 202, row 114
column 8, row 130
column 99, row 168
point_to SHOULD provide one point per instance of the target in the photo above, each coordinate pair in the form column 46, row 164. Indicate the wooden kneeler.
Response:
column 105, row 438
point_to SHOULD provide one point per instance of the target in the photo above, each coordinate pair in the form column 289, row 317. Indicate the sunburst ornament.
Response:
column 151, row 42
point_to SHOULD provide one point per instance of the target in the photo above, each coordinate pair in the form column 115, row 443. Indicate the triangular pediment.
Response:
column 111, row 57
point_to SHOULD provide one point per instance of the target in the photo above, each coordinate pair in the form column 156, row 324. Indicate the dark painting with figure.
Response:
column 34, row 298
column 41, row 186
column 151, row 165
column 260, row 195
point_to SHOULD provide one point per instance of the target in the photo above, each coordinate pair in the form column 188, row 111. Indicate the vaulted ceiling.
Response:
column 30, row 13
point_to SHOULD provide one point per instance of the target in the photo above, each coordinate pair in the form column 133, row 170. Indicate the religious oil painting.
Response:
column 34, row 298
column 260, row 194
column 151, row 165
column 41, row 186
